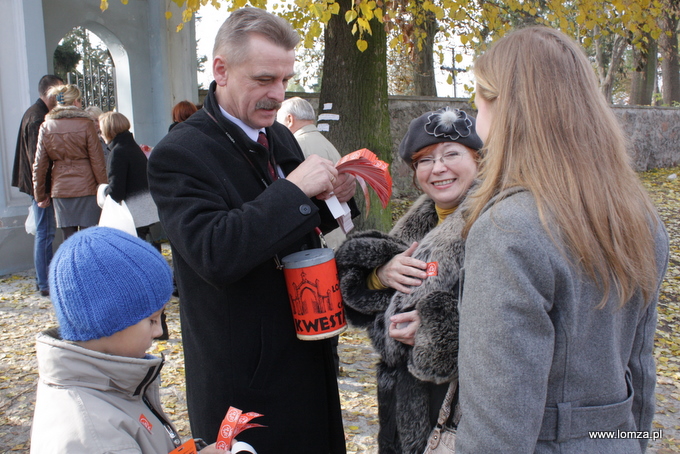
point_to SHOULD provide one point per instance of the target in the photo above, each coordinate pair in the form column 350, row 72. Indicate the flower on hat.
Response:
column 449, row 123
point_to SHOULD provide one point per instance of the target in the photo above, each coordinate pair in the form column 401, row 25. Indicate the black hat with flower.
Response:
column 443, row 125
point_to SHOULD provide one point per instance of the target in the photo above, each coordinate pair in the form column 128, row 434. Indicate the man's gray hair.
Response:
column 233, row 36
column 299, row 108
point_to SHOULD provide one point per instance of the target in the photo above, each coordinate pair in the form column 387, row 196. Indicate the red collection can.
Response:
column 314, row 293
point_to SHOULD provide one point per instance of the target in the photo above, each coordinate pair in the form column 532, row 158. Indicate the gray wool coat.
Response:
column 407, row 376
column 540, row 366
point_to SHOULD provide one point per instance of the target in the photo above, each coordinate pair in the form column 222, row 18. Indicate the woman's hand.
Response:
column 403, row 327
column 403, row 271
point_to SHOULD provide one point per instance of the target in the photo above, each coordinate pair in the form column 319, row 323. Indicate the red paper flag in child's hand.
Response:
column 234, row 423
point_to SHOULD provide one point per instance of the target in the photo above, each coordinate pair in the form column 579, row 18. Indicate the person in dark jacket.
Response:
column 22, row 178
column 232, row 206
column 181, row 111
column 127, row 172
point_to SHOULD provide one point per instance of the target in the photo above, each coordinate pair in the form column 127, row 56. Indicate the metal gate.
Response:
column 96, row 84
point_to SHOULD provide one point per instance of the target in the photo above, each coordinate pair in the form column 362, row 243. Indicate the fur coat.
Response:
column 406, row 375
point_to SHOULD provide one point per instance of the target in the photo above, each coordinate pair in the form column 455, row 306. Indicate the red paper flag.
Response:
column 368, row 169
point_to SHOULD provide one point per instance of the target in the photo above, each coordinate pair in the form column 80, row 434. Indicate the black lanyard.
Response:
column 259, row 172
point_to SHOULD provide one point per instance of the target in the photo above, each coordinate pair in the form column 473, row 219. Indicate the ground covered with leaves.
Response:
column 23, row 313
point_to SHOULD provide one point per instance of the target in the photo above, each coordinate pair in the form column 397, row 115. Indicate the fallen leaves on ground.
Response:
column 24, row 313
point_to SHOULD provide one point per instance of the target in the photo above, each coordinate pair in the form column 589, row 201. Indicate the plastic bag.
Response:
column 30, row 221
column 117, row 216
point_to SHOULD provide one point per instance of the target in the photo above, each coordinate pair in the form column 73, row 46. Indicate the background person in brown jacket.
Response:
column 69, row 146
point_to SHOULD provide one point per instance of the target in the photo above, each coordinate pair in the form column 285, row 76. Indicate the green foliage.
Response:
column 66, row 58
column 75, row 49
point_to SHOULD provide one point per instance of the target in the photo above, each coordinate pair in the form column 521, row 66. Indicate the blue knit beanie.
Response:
column 103, row 280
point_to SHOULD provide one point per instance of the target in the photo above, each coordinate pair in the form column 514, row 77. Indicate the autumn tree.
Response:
column 668, row 45
column 355, row 33
column 643, row 74
column 355, row 83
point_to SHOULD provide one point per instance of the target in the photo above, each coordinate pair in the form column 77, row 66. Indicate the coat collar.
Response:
column 288, row 157
column 124, row 137
column 67, row 112
column 504, row 194
column 306, row 129
column 63, row 363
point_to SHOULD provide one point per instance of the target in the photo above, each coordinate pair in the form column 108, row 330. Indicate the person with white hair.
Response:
column 298, row 115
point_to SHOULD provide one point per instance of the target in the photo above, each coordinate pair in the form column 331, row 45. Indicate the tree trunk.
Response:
column 670, row 67
column 608, row 63
column 642, row 79
column 423, row 65
column 355, row 83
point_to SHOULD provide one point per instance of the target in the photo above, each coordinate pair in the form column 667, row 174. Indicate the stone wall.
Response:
column 654, row 132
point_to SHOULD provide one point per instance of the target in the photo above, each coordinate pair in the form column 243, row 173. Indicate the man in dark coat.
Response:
column 230, row 220
column 22, row 178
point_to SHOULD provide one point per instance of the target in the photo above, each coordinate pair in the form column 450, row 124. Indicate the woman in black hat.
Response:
column 403, row 286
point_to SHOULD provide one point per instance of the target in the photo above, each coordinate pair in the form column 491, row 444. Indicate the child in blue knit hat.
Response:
column 99, row 389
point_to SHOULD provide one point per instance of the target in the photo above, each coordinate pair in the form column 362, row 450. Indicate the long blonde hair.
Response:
column 553, row 133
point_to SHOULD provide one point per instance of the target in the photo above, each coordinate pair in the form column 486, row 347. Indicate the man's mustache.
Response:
column 268, row 104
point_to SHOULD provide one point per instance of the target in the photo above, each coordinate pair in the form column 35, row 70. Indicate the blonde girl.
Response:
column 565, row 255
column 69, row 162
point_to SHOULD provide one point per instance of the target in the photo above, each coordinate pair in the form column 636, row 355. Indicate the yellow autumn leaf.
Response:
column 366, row 11
column 350, row 15
column 363, row 23
column 168, row 14
column 362, row 45
column 315, row 9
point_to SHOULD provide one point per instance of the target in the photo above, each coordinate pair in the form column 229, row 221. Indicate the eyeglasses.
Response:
column 427, row 162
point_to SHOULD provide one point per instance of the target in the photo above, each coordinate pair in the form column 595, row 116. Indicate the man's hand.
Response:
column 315, row 177
column 344, row 187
